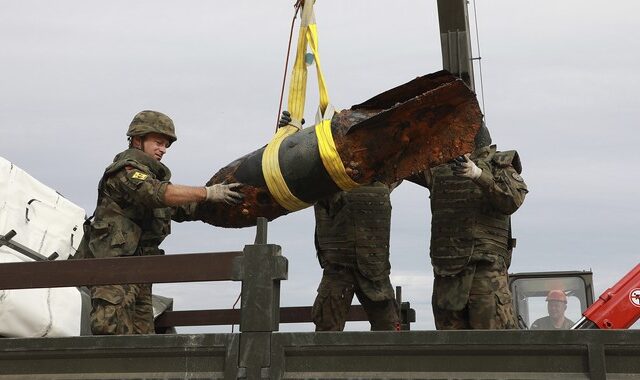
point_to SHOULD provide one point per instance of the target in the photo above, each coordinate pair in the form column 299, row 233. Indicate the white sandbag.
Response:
column 45, row 222
column 39, row 312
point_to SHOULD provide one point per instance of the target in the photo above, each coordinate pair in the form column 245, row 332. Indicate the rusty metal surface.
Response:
column 426, row 122
column 120, row 270
column 408, row 129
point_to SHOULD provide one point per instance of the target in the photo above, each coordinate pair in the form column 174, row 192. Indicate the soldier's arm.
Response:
column 141, row 187
column 135, row 186
column 177, row 195
column 504, row 187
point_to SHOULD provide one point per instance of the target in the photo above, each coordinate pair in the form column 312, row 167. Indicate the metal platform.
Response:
column 577, row 354
column 259, row 351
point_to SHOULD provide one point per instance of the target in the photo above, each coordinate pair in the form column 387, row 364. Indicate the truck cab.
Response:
column 530, row 292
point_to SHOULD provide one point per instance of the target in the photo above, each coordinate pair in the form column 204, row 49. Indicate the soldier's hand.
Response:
column 223, row 192
column 464, row 167
column 285, row 119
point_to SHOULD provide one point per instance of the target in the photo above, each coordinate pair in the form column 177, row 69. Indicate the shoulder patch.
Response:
column 139, row 175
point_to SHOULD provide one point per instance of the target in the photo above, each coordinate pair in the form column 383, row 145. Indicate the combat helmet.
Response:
column 152, row 121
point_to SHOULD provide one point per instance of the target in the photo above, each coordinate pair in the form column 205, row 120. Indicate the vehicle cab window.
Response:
column 551, row 301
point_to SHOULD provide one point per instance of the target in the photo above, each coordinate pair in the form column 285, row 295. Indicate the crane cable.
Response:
column 297, row 6
column 479, row 59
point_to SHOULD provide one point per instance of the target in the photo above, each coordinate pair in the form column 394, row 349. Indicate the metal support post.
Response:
column 407, row 314
column 260, row 268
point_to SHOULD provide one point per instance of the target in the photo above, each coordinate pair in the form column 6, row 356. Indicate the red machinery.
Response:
column 617, row 308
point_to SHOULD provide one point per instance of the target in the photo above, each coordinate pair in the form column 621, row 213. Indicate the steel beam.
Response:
column 455, row 39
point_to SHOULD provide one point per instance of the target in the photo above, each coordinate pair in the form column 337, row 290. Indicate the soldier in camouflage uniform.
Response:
column 136, row 203
column 352, row 242
column 471, row 203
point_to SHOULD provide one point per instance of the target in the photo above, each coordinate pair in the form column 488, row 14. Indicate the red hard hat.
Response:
column 557, row 295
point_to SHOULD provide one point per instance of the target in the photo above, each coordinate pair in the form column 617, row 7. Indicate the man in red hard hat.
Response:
column 556, row 306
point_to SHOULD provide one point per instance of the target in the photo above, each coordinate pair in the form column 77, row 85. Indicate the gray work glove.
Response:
column 223, row 192
column 285, row 119
column 464, row 167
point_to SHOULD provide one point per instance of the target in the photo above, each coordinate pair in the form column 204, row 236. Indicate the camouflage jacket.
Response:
column 471, row 218
column 131, row 217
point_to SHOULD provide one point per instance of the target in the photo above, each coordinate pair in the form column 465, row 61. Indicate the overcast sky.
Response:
column 560, row 86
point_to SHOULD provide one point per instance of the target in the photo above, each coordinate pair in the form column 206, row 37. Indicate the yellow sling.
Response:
column 308, row 35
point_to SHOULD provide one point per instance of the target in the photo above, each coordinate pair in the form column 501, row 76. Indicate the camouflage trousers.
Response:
column 476, row 298
column 335, row 293
column 121, row 309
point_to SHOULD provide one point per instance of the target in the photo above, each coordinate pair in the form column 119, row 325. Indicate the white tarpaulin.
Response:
column 45, row 222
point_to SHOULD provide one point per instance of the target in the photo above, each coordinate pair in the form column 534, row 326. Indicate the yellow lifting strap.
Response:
column 308, row 35
column 278, row 188
column 330, row 157
column 273, row 176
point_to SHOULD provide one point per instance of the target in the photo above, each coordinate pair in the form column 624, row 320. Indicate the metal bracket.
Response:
column 6, row 240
